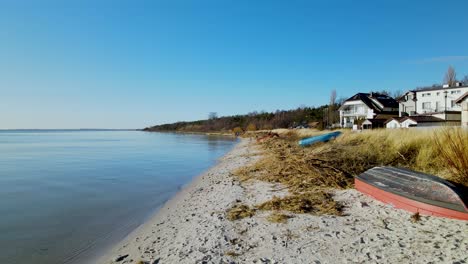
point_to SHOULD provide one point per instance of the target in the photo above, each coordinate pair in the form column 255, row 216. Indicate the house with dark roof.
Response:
column 366, row 106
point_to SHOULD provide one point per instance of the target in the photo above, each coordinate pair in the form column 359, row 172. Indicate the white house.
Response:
column 414, row 121
column 364, row 106
column 463, row 103
column 420, row 121
column 394, row 122
column 431, row 100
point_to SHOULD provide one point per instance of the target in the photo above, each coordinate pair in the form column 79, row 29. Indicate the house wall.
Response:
column 464, row 114
column 407, row 123
column 407, row 104
column 438, row 127
column 393, row 124
column 432, row 124
column 410, row 123
column 407, row 107
column 354, row 110
column 450, row 116
column 434, row 101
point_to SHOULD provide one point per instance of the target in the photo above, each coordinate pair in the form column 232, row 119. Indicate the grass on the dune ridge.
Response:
column 311, row 173
column 442, row 152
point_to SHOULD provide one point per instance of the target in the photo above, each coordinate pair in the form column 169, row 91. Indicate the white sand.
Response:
column 192, row 228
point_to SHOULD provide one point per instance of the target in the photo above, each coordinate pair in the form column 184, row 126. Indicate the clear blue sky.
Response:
column 131, row 64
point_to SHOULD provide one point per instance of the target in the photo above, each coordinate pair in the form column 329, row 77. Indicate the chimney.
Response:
column 445, row 86
column 458, row 84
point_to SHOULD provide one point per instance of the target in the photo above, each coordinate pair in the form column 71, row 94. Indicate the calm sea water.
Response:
column 65, row 195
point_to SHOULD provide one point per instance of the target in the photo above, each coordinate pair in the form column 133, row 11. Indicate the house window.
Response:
column 438, row 93
column 426, row 105
column 426, row 94
column 437, row 107
column 455, row 92
column 453, row 103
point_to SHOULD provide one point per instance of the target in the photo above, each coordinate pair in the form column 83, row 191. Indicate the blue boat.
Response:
column 322, row 138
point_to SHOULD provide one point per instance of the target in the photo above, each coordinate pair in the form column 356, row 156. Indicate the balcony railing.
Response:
column 353, row 113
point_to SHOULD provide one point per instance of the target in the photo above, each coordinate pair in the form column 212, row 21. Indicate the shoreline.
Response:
column 131, row 243
column 192, row 227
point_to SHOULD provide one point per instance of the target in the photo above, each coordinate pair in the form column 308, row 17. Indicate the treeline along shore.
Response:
column 302, row 116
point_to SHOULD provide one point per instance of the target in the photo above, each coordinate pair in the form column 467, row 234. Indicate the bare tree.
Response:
column 382, row 92
column 450, row 76
column 333, row 97
column 465, row 80
column 396, row 94
column 212, row 115
column 341, row 100
column 331, row 108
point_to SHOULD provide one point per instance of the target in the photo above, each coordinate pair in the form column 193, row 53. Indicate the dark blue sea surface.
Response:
column 65, row 195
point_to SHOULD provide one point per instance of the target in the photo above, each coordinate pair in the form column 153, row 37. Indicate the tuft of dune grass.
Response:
column 277, row 217
column 452, row 145
column 239, row 211
column 316, row 203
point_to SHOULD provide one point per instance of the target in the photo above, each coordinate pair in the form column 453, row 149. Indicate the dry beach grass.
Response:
column 275, row 218
column 311, row 173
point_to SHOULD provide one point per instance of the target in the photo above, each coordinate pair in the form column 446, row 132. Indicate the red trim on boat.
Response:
column 404, row 203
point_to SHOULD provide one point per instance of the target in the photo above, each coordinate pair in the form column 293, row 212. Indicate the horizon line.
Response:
column 64, row 129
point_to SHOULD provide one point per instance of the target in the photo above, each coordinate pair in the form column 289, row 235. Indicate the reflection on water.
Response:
column 63, row 193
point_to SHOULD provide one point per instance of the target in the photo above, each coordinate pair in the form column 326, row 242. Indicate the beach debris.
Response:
column 318, row 202
column 415, row 217
column 232, row 253
column 121, row 257
column 265, row 260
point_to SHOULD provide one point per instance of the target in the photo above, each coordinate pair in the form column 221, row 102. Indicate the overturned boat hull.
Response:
column 414, row 192
column 322, row 138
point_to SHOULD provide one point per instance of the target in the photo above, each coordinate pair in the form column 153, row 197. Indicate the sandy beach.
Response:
column 192, row 228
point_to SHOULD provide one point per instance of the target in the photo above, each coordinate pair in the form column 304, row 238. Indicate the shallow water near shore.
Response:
column 66, row 195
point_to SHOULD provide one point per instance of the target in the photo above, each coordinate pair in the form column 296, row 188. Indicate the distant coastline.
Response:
column 303, row 117
column 64, row 130
column 220, row 133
